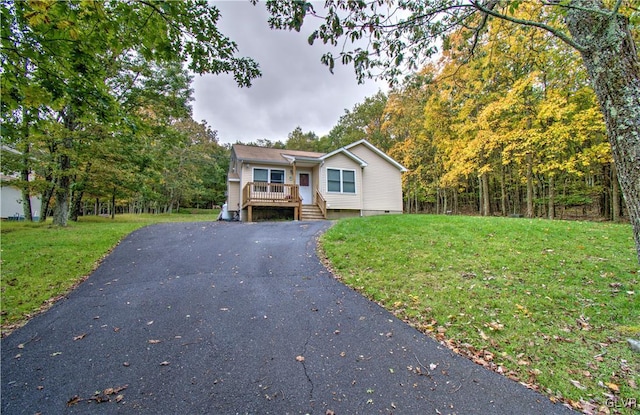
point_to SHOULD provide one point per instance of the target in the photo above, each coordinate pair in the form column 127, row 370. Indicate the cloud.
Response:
column 295, row 88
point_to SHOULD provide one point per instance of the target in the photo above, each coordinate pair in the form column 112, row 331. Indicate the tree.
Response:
column 391, row 37
column 71, row 62
column 364, row 121
column 297, row 140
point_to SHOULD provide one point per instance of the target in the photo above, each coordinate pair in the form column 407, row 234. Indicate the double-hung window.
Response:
column 273, row 176
column 341, row 181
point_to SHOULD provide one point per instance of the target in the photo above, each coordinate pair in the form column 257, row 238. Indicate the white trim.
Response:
column 378, row 152
column 347, row 153
column 268, row 169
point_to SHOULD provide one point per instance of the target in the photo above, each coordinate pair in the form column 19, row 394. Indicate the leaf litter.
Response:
column 106, row 395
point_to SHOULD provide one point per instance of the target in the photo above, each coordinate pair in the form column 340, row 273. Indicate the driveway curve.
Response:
column 235, row 318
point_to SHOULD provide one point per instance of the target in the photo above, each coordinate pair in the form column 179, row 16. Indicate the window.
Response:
column 260, row 175
column 341, row 181
column 275, row 177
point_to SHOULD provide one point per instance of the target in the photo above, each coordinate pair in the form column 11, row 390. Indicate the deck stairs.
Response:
column 311, row 212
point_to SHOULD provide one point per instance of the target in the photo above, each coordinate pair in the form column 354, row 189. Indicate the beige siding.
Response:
column 233, row 197
column 341, row 200
column 381, row 182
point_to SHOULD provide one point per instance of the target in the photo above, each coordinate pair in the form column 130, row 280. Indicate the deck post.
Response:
column 249, row 213
column 296, row 213
column 294, row 173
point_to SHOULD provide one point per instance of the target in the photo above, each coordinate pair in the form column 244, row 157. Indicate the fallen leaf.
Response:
column 149, row 323
column 79, row 337
column 613, row 387
column 577, row 384
column 56, row 354
column 154, row 341
column 165, row 363
column 74, row 400
column 300, row 358
column 21, row 346
column 119, row 398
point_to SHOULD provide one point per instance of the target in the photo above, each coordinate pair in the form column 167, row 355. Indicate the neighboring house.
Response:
column 355, row 180
column 11, row 200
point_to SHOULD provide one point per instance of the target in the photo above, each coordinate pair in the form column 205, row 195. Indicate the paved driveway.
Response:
column 232, row 318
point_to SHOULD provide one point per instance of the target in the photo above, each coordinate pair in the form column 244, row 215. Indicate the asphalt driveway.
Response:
column 234, row 318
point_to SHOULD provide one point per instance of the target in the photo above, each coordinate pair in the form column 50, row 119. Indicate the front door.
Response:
column 304, row 181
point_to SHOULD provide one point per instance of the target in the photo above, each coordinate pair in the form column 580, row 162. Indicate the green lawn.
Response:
column 546, row 303
column 41, row 262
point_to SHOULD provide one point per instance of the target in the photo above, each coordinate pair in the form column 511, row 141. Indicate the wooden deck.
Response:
column 271, row 194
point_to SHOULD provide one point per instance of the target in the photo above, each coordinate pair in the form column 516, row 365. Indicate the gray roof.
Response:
column 270, row 155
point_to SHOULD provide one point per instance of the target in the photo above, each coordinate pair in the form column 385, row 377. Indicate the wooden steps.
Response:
column 311, row 212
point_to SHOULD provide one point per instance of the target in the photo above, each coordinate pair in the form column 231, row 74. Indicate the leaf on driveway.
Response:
column 165, row 363
column 74, row 400
column 300, row 358
column 154, row 341
column 80, row 336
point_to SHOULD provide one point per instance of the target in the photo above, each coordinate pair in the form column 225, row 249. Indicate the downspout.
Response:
column 361, row 191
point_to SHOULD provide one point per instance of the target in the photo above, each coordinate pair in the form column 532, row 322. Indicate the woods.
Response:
column 96, row 100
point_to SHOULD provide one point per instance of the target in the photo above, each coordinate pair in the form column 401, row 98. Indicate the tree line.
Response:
column 96, row 102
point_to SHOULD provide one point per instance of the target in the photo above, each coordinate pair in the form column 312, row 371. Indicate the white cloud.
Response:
column 295, row 88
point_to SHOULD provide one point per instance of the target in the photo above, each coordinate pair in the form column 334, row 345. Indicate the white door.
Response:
column 304, row 181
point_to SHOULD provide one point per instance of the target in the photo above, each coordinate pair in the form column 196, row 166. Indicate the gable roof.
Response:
column 282, row 156
column 271, row 155
column 345, row 150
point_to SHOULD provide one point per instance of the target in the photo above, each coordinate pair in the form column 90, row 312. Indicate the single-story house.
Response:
column 355, row 180
column 11, row 200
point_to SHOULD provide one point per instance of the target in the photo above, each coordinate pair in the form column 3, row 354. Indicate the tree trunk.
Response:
column 45, row 201
column 61, row 193
column 63, row 182
column 529, row 186
column 611, row 59
column 503, row 193
column 615, row 196
column 76, row 205
column 552, row 196
column 26, row 193
column 26, row 165
column 486, row 204
column 113, row 203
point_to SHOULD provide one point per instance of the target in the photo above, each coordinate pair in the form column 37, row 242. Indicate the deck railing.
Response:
column 256, row 192
column 321, row 202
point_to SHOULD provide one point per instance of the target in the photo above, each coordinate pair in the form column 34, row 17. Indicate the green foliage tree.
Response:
column 364, row 121
column 391, row 37
column 297, row 140
column 70, row 64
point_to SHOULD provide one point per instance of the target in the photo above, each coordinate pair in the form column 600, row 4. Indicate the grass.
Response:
column 41, row 262
column 547, row 303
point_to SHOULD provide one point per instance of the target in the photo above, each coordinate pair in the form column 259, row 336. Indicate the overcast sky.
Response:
column 295, row 88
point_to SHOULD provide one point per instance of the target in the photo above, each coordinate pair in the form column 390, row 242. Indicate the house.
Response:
column 355, row 180
column 11, row 200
